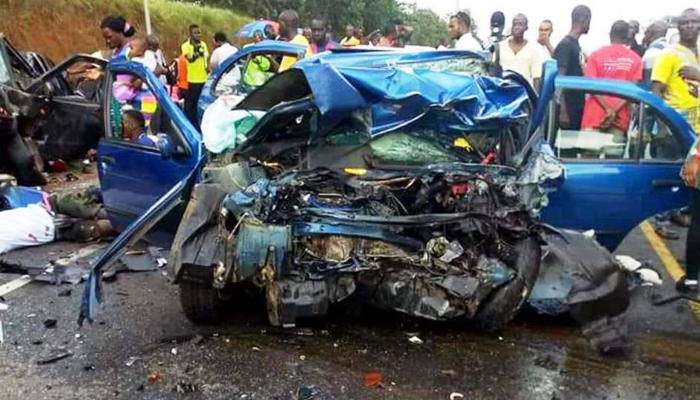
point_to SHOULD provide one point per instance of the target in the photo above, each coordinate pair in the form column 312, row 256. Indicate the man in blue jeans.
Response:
column 689, row 283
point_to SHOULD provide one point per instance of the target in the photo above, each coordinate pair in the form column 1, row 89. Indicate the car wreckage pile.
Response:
column 435, row 243
column 429, row 207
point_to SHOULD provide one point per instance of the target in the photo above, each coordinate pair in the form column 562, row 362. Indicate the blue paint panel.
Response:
column 133, row 177
column 614, row 197
column 253, row 243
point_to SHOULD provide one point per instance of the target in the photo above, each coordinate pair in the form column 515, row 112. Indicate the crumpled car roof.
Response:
column 401, row 87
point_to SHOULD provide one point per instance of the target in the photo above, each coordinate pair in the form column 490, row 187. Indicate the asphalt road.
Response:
column 141, row 333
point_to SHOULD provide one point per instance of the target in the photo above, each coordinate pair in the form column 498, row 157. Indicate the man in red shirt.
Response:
column 605, row 113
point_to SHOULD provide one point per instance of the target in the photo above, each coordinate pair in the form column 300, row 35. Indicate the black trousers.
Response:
column 692, row 246
column 194, row 90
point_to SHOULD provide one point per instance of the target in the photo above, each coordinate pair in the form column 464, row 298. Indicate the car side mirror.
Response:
column 166, row 146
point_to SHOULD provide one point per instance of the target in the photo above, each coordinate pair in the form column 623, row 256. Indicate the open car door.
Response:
column 135, row 174
column 70, row 121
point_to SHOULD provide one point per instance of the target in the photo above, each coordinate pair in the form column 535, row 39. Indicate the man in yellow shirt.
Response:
column 676, row 73
column 289, row 24
column 196, row 53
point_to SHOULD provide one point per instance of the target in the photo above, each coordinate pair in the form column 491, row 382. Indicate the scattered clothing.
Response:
column 26, row 226
column 527, row 62
column 680, row 94
column 611, row 62
column 569, row 57
column 220, row 54
column 288, row 61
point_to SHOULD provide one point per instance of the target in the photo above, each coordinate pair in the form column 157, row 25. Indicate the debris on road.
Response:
column 374, row 379
column 65, row 292
column 174, row 351
column 456, row 396
column 55, row 358
column 415, row 340
column 131, row 361
column 155, row 377
column 306, row 393
column 580, row 277
column 185, row 388
column 50, row 323
column 3, row 307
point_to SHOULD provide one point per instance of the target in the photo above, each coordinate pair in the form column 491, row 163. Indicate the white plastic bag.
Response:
column 27, row 226
column 219, row 124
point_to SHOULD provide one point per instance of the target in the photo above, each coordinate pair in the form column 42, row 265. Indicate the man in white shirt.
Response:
column 222, row 50
column 460, row 31
column 545, row 39
column 520, row 55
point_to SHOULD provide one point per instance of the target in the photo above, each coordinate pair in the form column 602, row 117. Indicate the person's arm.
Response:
column 692, row 166
column 561, row 54
column 661, row 73
column 690, row 73
column 188, row 52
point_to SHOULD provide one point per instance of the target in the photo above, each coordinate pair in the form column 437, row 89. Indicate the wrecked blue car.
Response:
column 411, row 181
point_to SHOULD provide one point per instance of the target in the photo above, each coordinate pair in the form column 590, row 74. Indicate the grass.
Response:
column 60, row 28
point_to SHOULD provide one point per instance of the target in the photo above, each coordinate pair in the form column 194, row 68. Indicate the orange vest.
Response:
column 182, row 72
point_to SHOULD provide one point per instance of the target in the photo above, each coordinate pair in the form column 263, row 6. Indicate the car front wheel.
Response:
column 200, row 301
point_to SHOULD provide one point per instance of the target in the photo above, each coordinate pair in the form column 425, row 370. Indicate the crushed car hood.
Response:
column 403, row 93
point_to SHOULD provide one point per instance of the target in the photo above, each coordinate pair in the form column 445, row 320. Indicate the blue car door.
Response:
column 135, row 172
column 620, row 172
column 229, row 78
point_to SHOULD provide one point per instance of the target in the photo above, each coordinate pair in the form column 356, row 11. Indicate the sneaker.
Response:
column 687, row 286
column 666, row 233
column 680, row 219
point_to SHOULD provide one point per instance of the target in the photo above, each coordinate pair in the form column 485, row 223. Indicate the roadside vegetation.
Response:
column 59, row 28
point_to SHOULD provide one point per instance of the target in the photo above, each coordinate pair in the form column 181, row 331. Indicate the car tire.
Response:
column 504, row 303
column 200, row 301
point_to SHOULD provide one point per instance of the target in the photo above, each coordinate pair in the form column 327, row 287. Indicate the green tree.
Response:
column 428, row 28
column 378, row 12
column 368, row 14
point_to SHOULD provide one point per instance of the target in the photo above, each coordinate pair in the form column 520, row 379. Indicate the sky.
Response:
column 605, row 12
